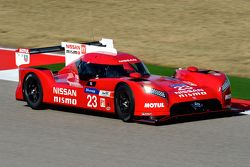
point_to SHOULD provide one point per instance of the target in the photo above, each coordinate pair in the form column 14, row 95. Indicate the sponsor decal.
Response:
column 191, row 93
column 22, row 58
column 72, row 46
column 187, row 91
column 21, row 50
column 65, row 100
column 66, row 92
column 102, row 102
column 108, row 108
column 104, row 93
column 26, row 58
column 74, row 49
column 91, row 90
column 127, row 60
column 146, row 114
column 154, row 105
column 83, row 49
column 72, row 52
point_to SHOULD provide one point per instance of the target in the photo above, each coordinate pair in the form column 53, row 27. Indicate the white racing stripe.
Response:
column 9, row 75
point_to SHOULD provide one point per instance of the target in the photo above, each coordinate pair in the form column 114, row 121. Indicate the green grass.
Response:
column 52, row 67
column 240, row 86
column 160, row 70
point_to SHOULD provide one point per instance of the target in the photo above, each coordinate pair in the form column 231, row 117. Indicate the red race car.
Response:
column 97, row 77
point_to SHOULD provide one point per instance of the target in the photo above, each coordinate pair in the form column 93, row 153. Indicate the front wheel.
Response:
column 124, row 103
column 33, row 92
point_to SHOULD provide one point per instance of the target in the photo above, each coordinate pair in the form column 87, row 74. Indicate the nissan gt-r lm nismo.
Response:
column 97, row 77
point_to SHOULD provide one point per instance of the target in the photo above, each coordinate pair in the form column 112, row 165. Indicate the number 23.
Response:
column 92, row 101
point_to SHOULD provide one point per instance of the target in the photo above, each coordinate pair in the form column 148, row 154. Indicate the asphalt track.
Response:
column 52, row 138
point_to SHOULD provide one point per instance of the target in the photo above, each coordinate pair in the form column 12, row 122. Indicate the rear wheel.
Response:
column 124, row 103
column 33, row 92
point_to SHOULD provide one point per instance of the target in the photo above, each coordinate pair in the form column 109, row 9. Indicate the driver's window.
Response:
column 86, row 71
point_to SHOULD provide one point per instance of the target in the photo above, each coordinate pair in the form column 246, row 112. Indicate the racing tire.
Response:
column 124, row 103
column 33, row 92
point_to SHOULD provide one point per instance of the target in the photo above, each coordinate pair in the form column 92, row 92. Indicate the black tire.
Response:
column 33, row 92
column 124, row 103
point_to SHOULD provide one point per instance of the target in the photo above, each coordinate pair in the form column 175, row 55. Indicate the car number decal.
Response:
column 92, row 101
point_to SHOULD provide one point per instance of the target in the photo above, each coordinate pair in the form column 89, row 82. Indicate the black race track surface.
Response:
column 52, row 138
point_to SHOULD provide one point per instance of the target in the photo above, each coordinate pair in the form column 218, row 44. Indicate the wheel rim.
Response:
column 33, row 91
column 124, row 103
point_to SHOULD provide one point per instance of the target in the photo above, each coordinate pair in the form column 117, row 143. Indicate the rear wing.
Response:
column 72, row 51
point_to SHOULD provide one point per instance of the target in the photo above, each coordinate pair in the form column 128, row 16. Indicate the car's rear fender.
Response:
column 45, row 76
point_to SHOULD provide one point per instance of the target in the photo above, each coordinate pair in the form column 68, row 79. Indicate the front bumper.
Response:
column 162, row 119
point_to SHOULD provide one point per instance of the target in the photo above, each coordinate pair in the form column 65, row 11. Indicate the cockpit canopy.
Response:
column 88, row 70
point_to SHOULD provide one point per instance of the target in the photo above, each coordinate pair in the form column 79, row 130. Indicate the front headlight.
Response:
column 147, row 89
column 225, row 85
column 150, row 90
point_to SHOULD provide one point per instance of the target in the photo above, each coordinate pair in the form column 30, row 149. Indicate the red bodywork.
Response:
column 187, row 88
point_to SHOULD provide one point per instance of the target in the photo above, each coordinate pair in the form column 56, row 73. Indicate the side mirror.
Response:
column 135, row 75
